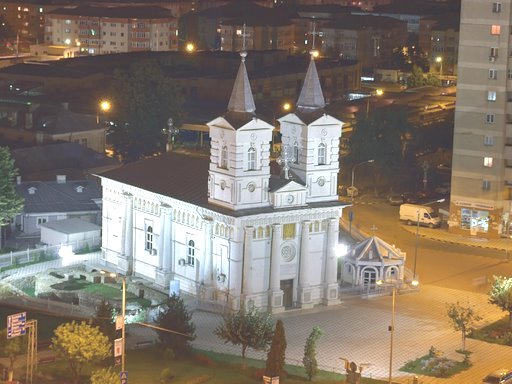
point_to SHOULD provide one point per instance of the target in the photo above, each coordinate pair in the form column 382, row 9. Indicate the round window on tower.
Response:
column 321, row 181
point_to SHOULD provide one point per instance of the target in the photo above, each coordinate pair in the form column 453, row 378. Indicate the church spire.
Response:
column 311, row 95
column 241, row 99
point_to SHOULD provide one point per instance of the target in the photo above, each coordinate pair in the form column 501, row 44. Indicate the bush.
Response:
column 204, row 360
column 166, row 375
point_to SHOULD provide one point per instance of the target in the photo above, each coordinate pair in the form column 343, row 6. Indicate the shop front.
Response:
column 475, row 219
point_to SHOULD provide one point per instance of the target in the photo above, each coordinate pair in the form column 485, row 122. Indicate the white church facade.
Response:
column 230, row 228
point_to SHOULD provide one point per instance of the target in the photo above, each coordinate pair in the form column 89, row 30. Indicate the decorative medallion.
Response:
column 222, row 134
column 251, row 187
column 253, row 137
column 288, row 252
column 324, row 132
column 321, row 181
column 290, row 199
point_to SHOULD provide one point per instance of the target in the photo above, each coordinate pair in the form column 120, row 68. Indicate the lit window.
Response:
column 488, row 162
column 486, row 185
column 490, row 118
column 238, row 32
column 251, row 159
column 488, row 140
column 493, row 74
column 491, row 96
column 191, row 252
column 149, row 238
column 288, row 231
column 495, row 29
column 496, row 7
column 224, row 157
column 296, row 153
column 321, row 154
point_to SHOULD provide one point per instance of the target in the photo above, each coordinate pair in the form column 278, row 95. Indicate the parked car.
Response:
column 501, row 376
column 395, row 199
column 409, row 197
column 443, row 189
column 352, row 191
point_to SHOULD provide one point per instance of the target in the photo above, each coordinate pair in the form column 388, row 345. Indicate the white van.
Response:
column 413, row 213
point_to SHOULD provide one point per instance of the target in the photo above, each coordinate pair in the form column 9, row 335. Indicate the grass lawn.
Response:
column 115, row 293
column 497, row 332
column 144, row 367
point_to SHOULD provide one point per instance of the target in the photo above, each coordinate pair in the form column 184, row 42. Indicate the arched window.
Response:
column 224, row 157
column 149, row 238
column 296, row 153
column 321, row 154
column 191, row 260
column 251, row 159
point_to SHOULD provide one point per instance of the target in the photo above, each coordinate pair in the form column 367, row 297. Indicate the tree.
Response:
column 104, row 319
column 276, row 355
column 78, row 344
column 463, row 319
column 143, row 99
column 433, row 80
column 248, row 328
column 12, row 348
column 501, row 295
column 417, row 78
column 10, row 203
column 178, row 320
column 105, row 376
column 309, row 359
column 385, row 136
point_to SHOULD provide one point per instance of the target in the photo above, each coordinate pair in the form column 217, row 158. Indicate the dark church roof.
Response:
column 184, row 178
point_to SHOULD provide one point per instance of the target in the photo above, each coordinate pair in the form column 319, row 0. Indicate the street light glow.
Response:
column 105, row 105
column 190, row 47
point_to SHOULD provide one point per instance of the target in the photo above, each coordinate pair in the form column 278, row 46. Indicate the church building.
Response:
column 231, row 229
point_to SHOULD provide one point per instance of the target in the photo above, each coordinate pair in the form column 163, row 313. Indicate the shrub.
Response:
column 166, row 375
column 204, row 360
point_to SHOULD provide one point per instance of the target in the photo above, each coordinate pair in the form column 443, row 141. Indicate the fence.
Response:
column 45, row 253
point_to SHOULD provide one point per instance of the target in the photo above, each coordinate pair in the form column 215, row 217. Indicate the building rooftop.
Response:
column 126, row 12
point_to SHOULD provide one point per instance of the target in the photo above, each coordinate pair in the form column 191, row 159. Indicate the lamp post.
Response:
column 414, row 278
column 391, row 327
column 378, row 92
column 353, row 172
column 104, row 106
column 172, row 131
column 123, row 314
column 439, row 60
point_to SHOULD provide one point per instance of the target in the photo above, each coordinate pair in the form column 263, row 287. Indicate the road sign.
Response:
column 16, row 325
column 124, row 377
column 118, row 347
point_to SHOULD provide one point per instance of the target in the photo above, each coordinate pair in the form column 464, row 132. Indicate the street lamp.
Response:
column 414, row 278
column 391, row 327
column 123, row 314
column 439, row 60
column 172, row 131
column 353, row 172
column 104, row 106
column 378, row 92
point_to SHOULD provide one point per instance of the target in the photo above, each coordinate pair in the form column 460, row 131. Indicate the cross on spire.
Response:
column 244, row 35
column 314, row 33
column 284, row 159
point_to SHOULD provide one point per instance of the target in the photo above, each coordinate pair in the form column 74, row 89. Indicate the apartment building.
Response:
column 481, row 193
column 102, row 30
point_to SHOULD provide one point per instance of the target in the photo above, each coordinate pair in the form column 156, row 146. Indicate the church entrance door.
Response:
column 287, row 288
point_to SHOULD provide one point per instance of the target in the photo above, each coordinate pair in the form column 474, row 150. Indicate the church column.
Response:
column 247, row 261
column 208, row 252
column 165, row 252
column 304, row 254
column 331, row 264
column 235, row 272
column 304, row 288
column 126, row 262
column 276, row 294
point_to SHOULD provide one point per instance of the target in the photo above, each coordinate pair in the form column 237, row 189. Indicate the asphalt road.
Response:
column 442, row 264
